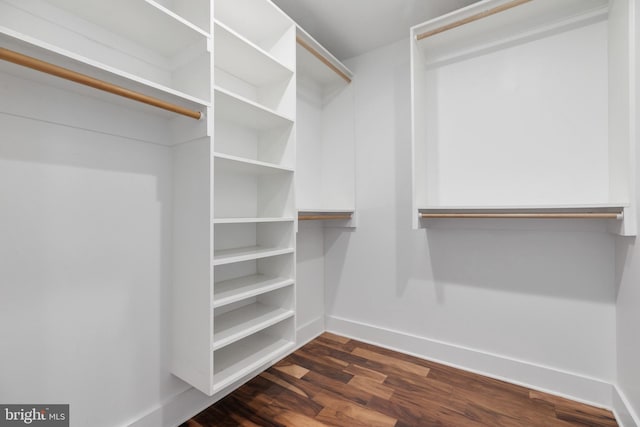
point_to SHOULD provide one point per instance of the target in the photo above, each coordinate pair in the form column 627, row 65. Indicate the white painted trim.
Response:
column 570, row 385
column 622, row 409
column 309, row 331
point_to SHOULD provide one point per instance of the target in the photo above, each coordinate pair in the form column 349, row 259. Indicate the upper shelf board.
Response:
column 236, row 109
column 262, row 26
column 582, row 208
column 521, row 22
column 144, row 22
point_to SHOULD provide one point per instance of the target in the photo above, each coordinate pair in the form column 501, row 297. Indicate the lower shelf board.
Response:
column 229, row 256
column 241, row 358
column 230, row 291
column 240, row 323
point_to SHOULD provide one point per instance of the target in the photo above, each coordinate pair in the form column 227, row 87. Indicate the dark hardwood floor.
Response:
column 335, row 381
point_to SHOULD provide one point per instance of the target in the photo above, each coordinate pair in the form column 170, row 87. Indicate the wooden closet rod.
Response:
column 322, row 59
column 45, row 67
column 563, row 215
column 323, row 217
column 471, row 18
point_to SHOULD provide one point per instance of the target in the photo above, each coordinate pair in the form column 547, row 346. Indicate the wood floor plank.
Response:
column 292, row 369
column 403, row 365
column 337, row 381
column 376, row 376
column 341, row 412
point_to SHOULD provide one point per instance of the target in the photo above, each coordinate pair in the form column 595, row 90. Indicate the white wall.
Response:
column 85, row 228
column 628, row 280
column 536, row 293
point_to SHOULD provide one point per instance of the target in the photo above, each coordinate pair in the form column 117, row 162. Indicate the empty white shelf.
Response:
column 262, row 26
column 241, row 358
column 237, row 324
column 241, row 111
column 143, row 21
column 229, row 256
column 250, row 220
column 230, row 291
column 240, row 57
column 238, row 164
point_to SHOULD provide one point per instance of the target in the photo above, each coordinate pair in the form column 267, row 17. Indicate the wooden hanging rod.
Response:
column 322, row 59
column 472, row 18
column 323, row 217
column 55, row 70
column 559, row 215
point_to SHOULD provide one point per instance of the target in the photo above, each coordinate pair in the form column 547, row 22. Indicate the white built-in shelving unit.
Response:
column 253, row 298
column 325, row 171
column 524, row 109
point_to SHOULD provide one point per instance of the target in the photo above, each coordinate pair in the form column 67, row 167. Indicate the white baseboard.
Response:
column 623, row 410
column 561, row 383
column 309, row 331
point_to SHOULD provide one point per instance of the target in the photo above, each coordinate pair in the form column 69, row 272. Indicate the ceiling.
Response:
column 350, row 28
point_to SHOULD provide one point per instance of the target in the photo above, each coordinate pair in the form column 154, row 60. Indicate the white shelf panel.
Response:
column 236, row 361
column 238, row 324
column 325, row 210
column 49, row 53
column 245, row 60
column 225, row 162
column 234, row 290
column 230, row 256
column 251, row 220
column 241, row 111
column 519, row 23
column 145, row 22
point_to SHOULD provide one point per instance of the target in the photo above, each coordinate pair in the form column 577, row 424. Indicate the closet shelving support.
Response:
column 253, row 293
column 525, row 135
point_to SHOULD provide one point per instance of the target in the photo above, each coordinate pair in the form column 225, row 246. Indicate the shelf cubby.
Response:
column 253, row 194
column 244, row 69
column 267, row 26
column 233, row 322
column 250, row 241
column 241, row 280
column 240, row 359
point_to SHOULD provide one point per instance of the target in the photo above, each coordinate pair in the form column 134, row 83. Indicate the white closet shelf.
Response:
column 243, row 357
column 441, row 40
column 262, row 26
column 242, row 322
column 38, row 49
column 251, row 220
column 228, row 163
column 239, row 110
column 145, row 22
column 240, row 57
column 325, row 210
column 230, row 256
column 234, row 290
